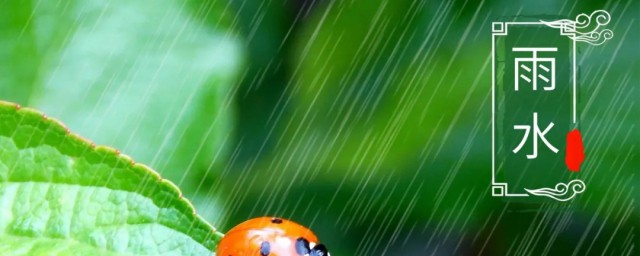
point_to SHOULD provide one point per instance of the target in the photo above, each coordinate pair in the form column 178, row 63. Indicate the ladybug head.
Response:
column 306, row 248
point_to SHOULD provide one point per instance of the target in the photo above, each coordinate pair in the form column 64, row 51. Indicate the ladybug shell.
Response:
column 252, row 236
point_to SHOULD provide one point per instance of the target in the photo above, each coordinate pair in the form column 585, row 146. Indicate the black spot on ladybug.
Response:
column 319, row 250
column 302, row 246
column 276, row 220
column 265, row 248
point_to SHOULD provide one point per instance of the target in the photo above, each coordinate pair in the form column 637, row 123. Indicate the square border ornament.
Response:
column 585, row 28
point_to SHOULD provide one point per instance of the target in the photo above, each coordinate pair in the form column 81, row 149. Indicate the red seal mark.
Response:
column 575, row 151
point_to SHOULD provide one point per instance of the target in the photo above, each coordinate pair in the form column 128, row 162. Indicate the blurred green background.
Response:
column 368, row 121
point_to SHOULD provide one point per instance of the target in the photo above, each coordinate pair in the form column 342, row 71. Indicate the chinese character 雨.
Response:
column 532, row 69
column 536, row 134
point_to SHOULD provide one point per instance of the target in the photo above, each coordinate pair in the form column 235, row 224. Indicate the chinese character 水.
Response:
column 537, row 134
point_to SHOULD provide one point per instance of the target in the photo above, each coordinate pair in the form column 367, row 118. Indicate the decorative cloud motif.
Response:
column 587, row 28
column 562, row 191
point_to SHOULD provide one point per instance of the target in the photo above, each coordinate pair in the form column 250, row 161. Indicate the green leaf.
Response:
column 61, row 195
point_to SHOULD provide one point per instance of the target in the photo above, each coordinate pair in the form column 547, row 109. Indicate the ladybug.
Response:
column 270, row 236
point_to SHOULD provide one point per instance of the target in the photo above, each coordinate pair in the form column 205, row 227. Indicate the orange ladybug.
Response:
column 270, row 236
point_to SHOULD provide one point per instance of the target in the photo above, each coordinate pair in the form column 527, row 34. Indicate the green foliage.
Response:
column 146, row 77
column 366, row 86
column 386, row 128
column 60, row 194
column 366, row 120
